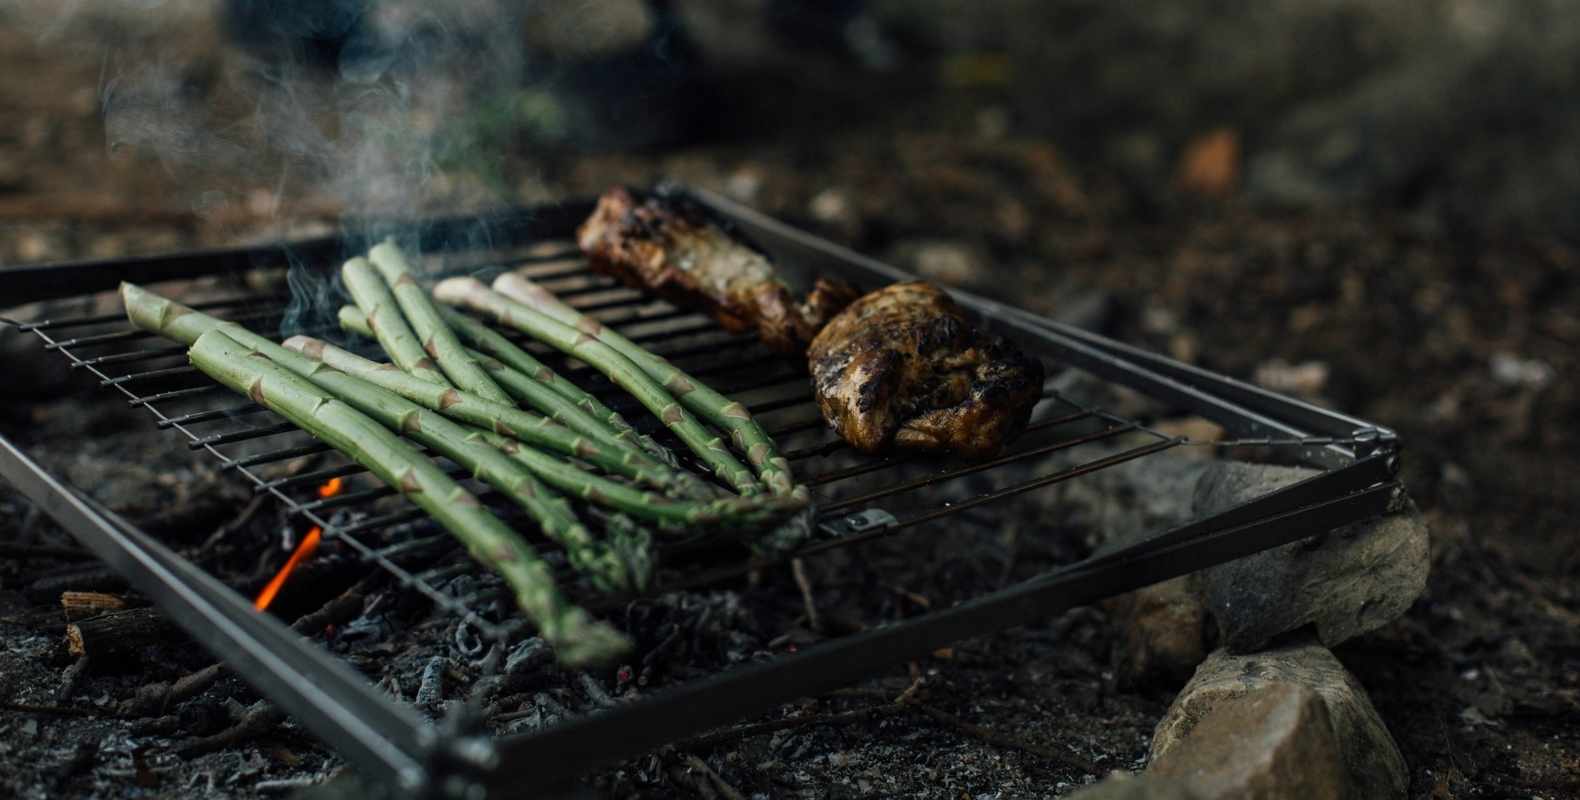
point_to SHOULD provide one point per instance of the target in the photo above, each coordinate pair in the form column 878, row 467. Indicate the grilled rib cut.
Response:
column 671, row 247
column 904, row 366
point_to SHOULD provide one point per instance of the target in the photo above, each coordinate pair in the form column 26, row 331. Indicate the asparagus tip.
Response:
column 306, row 345
column 450, row 290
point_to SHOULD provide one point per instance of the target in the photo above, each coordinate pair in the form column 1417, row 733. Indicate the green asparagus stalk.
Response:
column 487, row 340
column 507, row 420
column 536, row 394
column 685, row 512
column 467, row 447
column 495, row 344
column 671, row 513
column 373, row 296
column 460, row 444
column 437, row 339
column 726, row 414
column 576, row 636
column 471, row 293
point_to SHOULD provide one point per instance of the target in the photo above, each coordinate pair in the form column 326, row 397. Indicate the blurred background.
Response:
column 1368, row 203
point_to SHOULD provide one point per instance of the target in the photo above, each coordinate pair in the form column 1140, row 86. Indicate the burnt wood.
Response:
column 116, row 632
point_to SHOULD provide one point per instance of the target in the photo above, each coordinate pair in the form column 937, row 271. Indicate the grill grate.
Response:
column 860, row 499
column 125, row 359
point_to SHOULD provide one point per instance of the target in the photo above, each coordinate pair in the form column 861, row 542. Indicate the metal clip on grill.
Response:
column 858, row 501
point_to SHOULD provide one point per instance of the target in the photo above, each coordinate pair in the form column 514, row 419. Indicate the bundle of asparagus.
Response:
column 577, row 638
column 471, row 293
column 461, row 403
column 622, row 564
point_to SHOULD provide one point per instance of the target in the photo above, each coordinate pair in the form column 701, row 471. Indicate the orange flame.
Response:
column 304, row 551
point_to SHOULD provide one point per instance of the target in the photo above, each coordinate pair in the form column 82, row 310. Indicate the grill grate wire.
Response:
column 630, row 311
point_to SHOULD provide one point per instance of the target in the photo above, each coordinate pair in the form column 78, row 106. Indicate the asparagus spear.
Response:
column 373, row 296
column 706, row 444
column 728, row 415
column 467, row 447
column 536, row 394
column 576, row 636
column 487, row 340
column 725, row 511
column 495, row 344
column 504, row 419
column 674, row 514
column 437, row 338
column 460, row 444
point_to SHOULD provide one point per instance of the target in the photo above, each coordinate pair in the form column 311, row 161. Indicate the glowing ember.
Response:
column 304, row 550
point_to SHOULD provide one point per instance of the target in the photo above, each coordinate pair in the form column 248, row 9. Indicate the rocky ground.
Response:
column 1428, row 305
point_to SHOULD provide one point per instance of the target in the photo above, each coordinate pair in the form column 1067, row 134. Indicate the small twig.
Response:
column 259, row 720
column 82, row 605
column 798, row 570
column 342, row 609
column 909, row 694
column 116, row 631
column 248, row 511
column 72, row 676
column 156, row 698
column 718, row 782
column 652, row 657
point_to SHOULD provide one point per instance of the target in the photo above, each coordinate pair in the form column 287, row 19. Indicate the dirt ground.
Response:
column 1459, row 339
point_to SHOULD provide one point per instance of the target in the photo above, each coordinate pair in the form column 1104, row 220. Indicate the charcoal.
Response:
column 430, row 687
column 526, row 660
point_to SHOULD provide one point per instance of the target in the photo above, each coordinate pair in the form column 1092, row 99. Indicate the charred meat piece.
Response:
column 905, row 366
column 671, row 247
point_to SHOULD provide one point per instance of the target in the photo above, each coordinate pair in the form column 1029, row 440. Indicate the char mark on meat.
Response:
column 672, row 247
column 905, row 367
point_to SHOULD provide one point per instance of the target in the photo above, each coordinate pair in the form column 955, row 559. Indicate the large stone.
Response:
column 1161, row 627
column 1344, row 583
column 1274, row 742
column 1162, row 633
column 1286, row 723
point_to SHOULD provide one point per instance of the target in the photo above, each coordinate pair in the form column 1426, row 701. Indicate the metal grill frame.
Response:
column 392, row 745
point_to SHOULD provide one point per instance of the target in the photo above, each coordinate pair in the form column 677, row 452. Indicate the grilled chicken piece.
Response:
column 904, row 365
column 671, row 247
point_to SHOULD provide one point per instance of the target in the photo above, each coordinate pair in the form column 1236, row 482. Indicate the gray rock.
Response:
column 1162, row 633
column 1345, row 583
column 1161, row 626
column 1275, row 742
column 1286, row 723
column 1132, row 499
